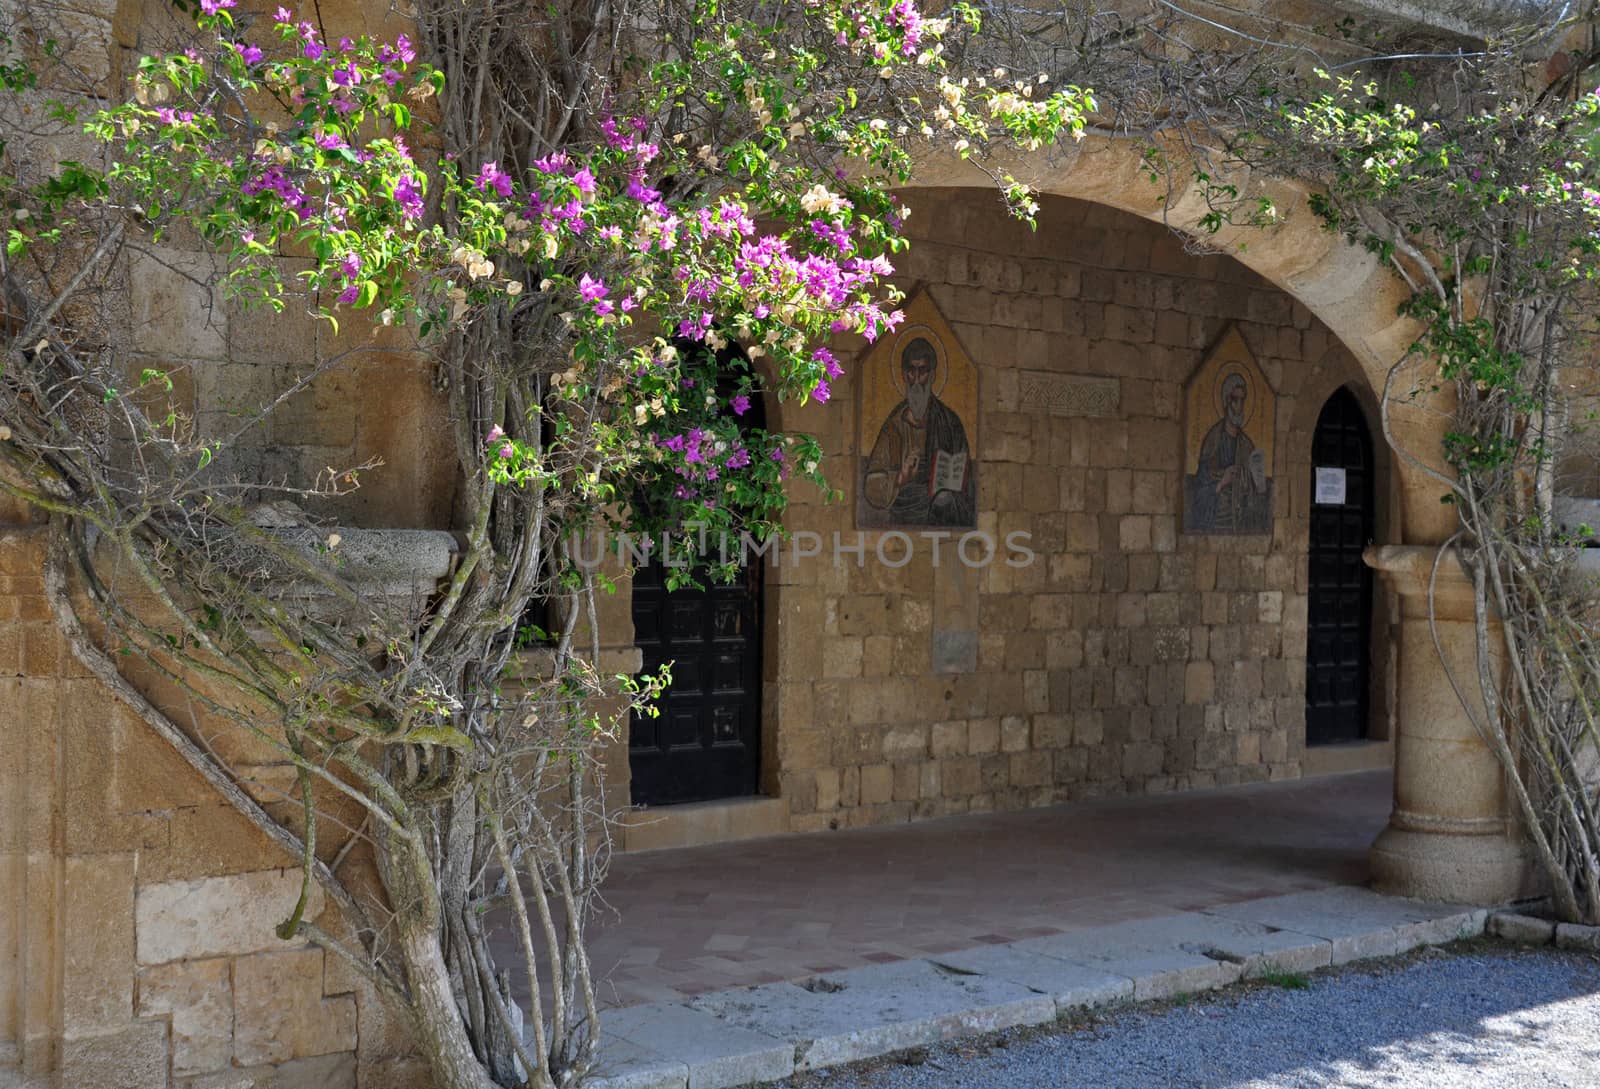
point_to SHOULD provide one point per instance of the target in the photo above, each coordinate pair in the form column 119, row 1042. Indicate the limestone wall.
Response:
column 1127, row 657
column 137, row 909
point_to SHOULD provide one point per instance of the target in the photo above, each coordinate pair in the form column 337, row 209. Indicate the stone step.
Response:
column 755, row 1034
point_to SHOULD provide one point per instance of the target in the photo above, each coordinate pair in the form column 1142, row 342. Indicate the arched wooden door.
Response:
column 1339, row 605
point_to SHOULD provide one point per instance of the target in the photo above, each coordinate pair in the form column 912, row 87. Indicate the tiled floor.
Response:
column 684, row 922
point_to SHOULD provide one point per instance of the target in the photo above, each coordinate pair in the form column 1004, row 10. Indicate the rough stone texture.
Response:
column 97, row 984
column 135, row 1058
column 871, row 1011
column 280, row 1012
column 715, row 1054
column 1525, row 929
column 1070, row 986
column 1254, row 947
column 1573, row 936
column 217, row 915
column 1159, row 964
column 1360, row 923
column 323, row 1072
column 198, row 995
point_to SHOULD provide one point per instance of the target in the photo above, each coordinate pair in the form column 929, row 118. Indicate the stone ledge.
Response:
column 1573, row 936
column 699, row 823
column 1523, row 929
column 382, row 562
column 1346, row 758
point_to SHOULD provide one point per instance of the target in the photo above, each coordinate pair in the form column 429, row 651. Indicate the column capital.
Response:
column 1410, row 571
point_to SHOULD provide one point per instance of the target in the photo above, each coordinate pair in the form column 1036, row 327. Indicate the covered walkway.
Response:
column 687, row 922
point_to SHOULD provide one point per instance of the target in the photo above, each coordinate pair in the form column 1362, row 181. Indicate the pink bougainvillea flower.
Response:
column 490, row 176
column 591, row 288
column 408, row 196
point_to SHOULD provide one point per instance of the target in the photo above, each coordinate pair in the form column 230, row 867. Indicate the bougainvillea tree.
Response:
column 579, row 210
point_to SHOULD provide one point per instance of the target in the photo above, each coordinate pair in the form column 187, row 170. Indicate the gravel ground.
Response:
column 1474, row 1016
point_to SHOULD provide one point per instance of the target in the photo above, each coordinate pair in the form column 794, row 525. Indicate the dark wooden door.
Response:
column 706, row 742
column 1339, row 616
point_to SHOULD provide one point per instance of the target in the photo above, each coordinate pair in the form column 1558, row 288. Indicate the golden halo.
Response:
column 1252, row 403
column 941, row 369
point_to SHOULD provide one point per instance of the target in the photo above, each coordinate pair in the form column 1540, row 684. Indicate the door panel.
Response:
column 706, row 742
column 1339, row 597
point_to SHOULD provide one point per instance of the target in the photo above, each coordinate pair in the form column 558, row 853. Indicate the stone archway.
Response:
column 1450, row 835
column 1349, row 290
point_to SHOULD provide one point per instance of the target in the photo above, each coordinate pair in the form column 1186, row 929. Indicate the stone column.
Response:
column 1451, row 836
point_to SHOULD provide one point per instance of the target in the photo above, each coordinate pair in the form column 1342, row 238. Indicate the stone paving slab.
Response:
column 750, row 1034
column 1515, row 927
column 1359, row 922
column 665, row 1037
column 1254, row 947
column 625, row 1065
column 865, row 1012
column 1072, row 986
column 1156, row 972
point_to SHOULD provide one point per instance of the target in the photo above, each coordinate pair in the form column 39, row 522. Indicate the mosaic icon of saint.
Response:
column 918, row 470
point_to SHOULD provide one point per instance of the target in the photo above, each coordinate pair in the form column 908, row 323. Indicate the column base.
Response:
column 1482, row 870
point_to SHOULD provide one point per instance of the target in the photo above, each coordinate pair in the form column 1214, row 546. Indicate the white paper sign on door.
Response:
column 1330, row 486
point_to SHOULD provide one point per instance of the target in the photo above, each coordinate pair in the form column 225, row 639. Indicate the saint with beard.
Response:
column 1229, row 491
column 919, row 471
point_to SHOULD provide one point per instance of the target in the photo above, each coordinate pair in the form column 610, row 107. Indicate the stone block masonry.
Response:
column 1127, row 657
